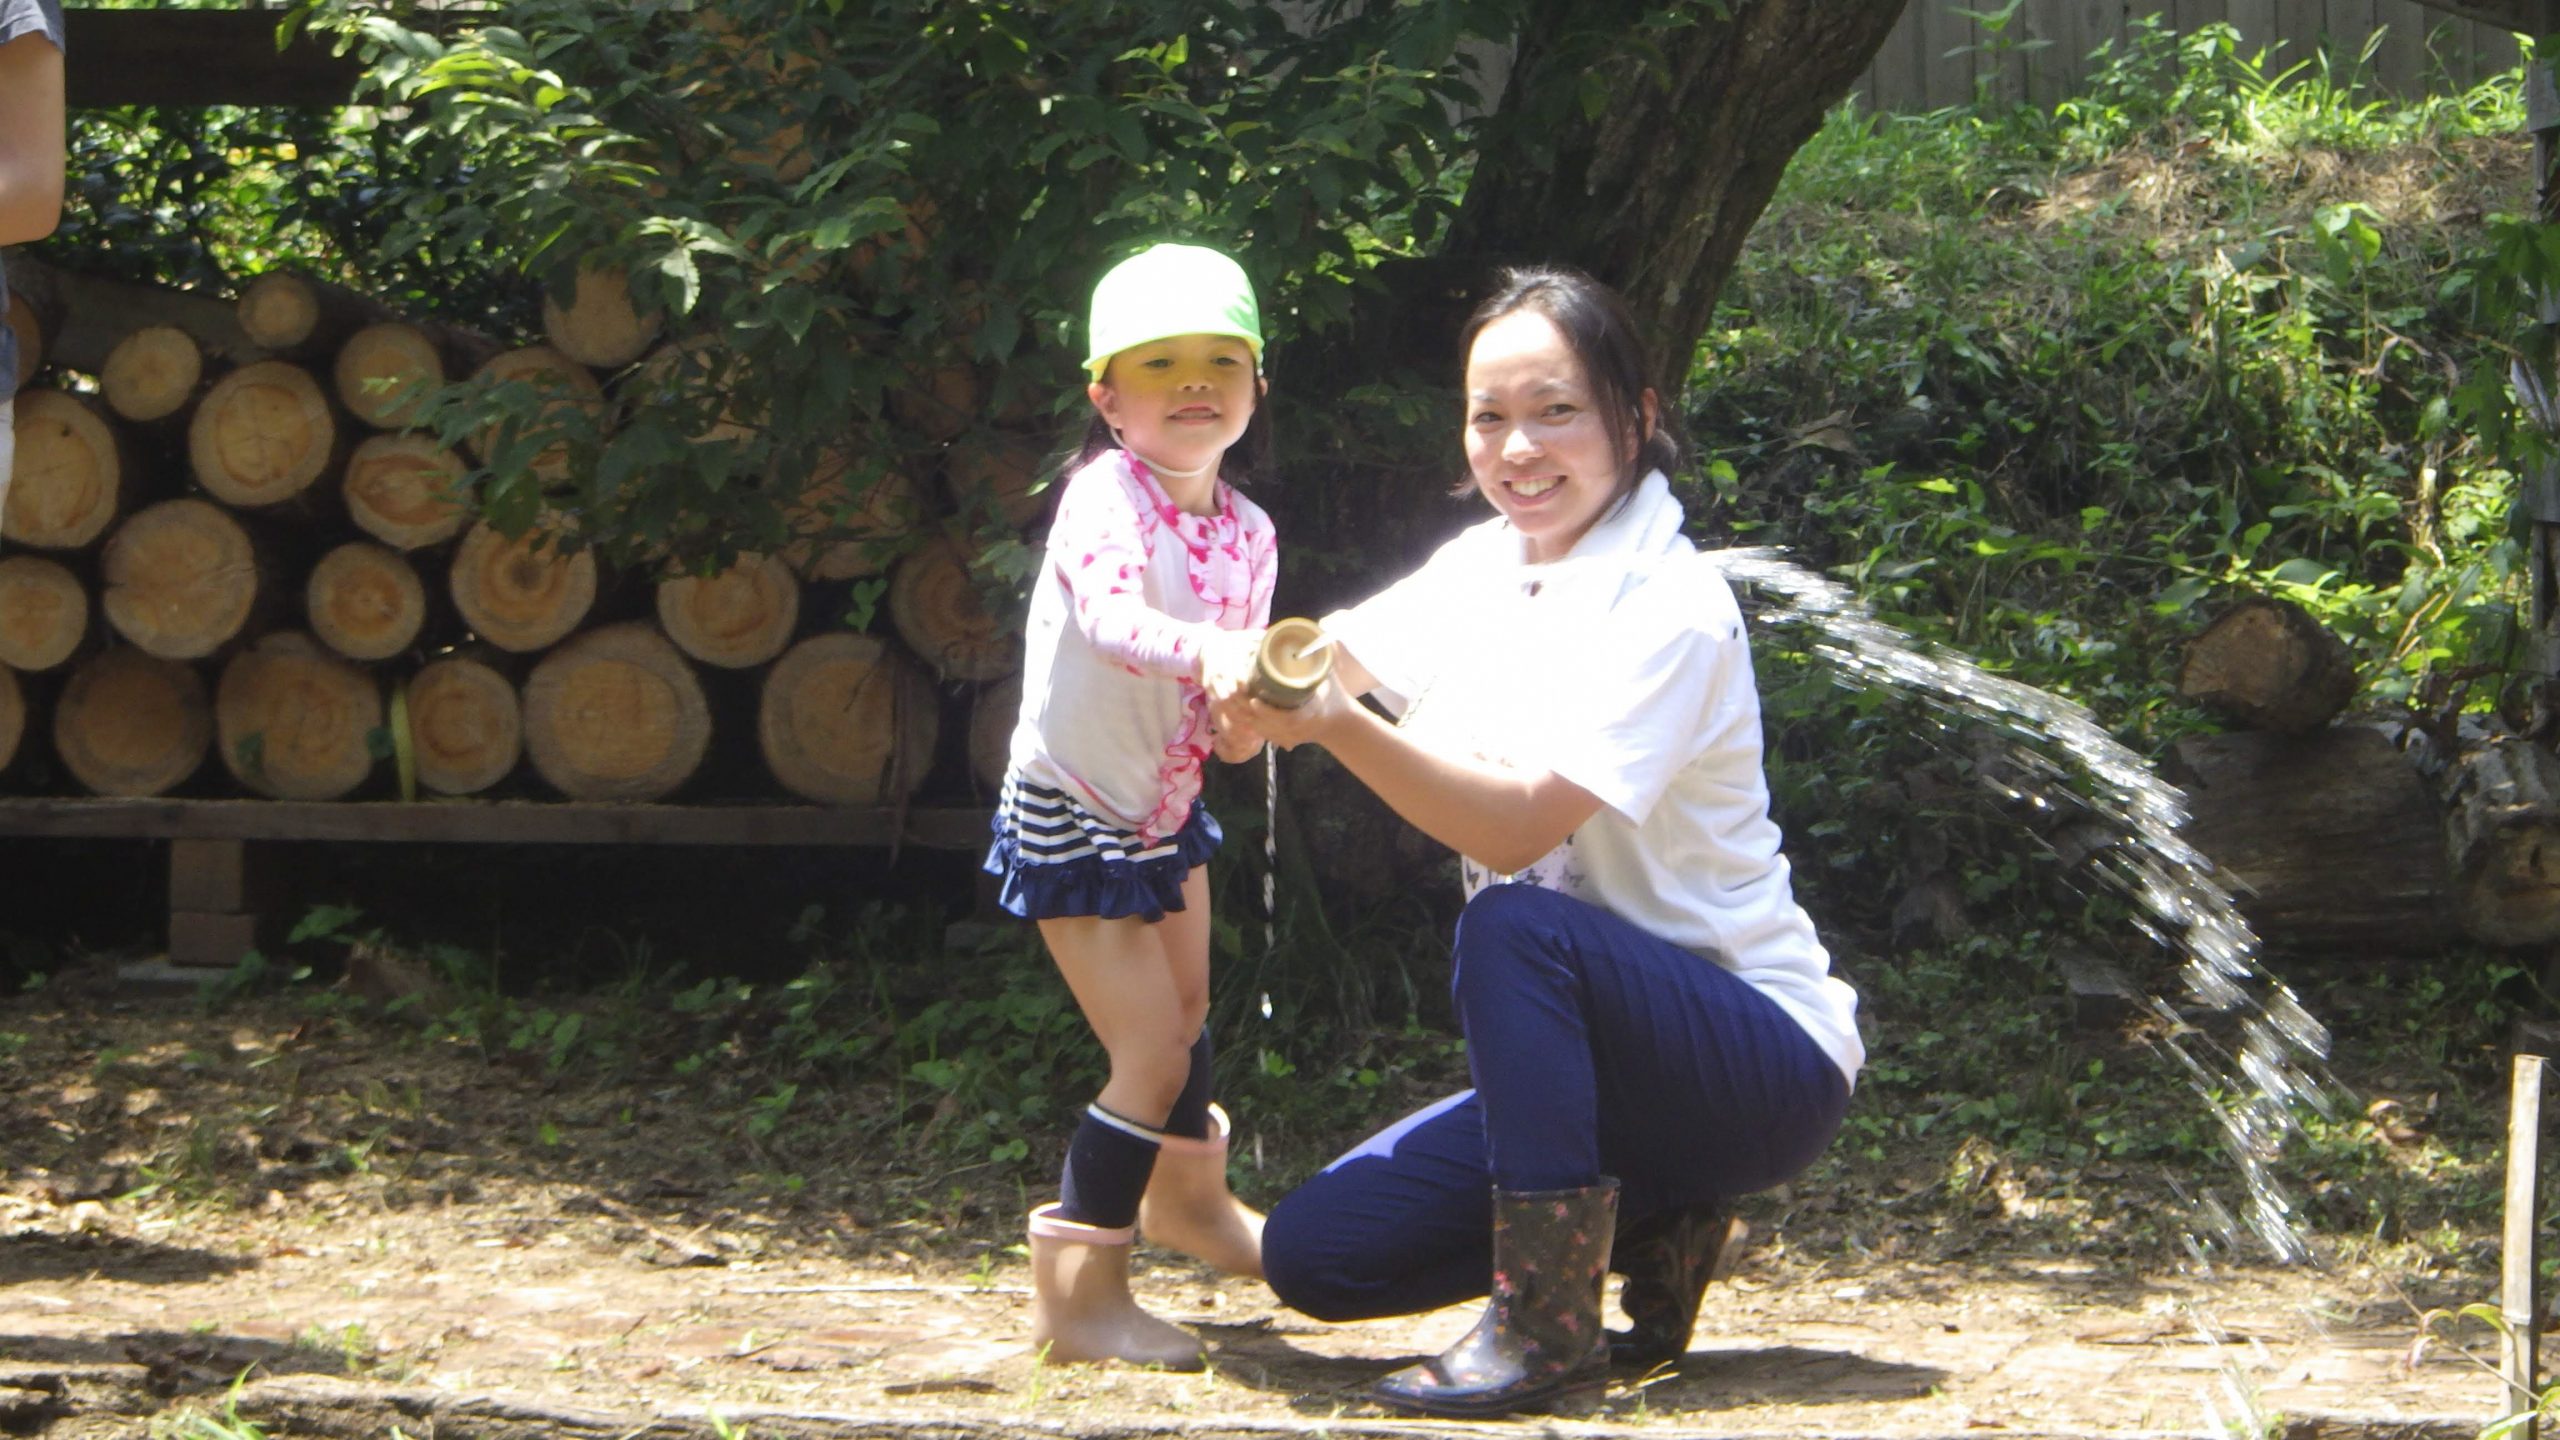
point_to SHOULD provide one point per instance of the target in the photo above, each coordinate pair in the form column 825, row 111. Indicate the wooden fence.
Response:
column 1938, row 55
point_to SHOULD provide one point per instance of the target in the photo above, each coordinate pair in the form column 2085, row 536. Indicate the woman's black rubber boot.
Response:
column 1669, row 1259
column 1540, row 1336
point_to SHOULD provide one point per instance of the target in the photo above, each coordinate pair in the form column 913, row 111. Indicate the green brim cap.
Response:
column 1168, row 290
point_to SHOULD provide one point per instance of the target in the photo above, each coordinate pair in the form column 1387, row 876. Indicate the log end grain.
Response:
column 466, row 725
column 13, row 717
column 152, row 373
column 845, row 522
column 180, row 579
column 131, row 724
column 739, row 618
column 935, row 604
column 70, row 473
column 44, row 613
column 263, row 435
column 616, row 713
column 294, row 722
column 384, row 373
column 844, row 719
column 364, row 601
column 559, row 396
column 407, row 491
column 521, row 594
column 598, row 324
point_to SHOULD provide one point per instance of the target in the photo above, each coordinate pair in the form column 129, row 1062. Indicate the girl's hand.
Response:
column 1236, row 743
column 1226, row 666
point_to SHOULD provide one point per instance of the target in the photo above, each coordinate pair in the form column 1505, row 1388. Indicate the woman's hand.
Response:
column 1322, row 717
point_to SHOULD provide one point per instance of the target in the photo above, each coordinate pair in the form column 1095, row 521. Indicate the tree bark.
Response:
column 1646, row 165
column 2503, row 842
column 2335, row 842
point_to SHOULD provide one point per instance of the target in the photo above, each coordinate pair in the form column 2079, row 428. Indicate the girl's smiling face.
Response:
column 1536, row 440
column 1178, row 403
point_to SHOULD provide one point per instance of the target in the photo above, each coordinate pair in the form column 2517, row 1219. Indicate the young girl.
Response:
column 1156, row 584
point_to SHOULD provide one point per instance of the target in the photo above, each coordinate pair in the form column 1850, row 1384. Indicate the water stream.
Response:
column 2063, row 761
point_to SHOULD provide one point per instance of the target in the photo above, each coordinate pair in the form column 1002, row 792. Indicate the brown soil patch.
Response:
column 374, row 1236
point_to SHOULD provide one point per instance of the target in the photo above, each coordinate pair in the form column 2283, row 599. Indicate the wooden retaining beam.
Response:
column 215, row 892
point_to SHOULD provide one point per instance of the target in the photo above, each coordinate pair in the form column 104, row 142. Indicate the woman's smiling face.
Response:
column 1536, row 440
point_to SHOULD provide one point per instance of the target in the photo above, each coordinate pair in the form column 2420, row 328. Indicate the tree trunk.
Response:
column 153, row 375
column 2335, row 843
column 406, row 491
column 616, row 714
column 181, row 579
column 739, row 618
column 131, row 724
column 2503, row 842
column 44, row 613
column 264, row 434
column 935, row 606
column 365, row 601
column 522, row 594
column 295, row 722
column 2267, row 665
column 75, row 472
column 846, row 720
column 1647, row 164
column 466, row 724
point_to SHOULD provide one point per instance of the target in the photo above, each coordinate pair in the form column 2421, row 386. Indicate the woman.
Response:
column 1651, row 1024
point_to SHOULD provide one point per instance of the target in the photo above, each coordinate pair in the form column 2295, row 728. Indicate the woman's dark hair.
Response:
column 1246, row 461
column 1602, row 335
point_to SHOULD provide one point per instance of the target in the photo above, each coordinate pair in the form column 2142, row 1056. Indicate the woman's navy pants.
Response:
column 1596, row 1049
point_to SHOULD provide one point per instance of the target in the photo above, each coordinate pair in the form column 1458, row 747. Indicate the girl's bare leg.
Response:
column 1188, row 1206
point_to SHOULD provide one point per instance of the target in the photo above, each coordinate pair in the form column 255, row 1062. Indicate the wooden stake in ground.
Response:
column 74, row 472
column 741, row 617
column 2267, row 665
column 364, row 601
column 406, row 491
column 132, row 724
column 44, row 613
column 153, row 375
column 466, row 724
column 599, row 325
column 521, row 594
column 181, row 579
column 295, row 722
column 616, row 714
column 844, row 719
column 263, row 435
column 934, row 603
column 2519, row 1365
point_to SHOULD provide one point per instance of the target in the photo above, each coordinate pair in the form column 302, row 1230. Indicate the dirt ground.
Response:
column 219, row 1220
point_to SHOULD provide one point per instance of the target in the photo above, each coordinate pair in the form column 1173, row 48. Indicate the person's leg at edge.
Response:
column 1145, row 1004
column 1188, row 1206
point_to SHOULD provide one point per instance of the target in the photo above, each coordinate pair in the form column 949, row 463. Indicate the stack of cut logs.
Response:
column 2354, row 839
column 227, row 565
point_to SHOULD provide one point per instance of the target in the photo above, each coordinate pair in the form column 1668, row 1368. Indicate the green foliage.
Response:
column 807, row 195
